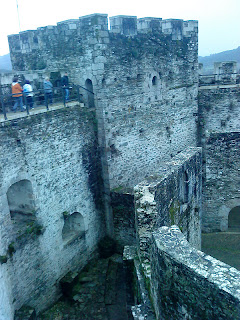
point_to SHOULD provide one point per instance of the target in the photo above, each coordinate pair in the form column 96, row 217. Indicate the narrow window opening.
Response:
column 90, row 94
column 154, row 81
column 186, row 187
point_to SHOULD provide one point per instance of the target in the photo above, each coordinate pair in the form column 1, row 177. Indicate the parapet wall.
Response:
column 171, row 196
column 188, row 284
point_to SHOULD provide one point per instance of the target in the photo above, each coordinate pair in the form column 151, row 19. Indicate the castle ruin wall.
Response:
column 144, row 74
column 218, row 134
column 52, row 214
column 221, row 191
column 219, row 108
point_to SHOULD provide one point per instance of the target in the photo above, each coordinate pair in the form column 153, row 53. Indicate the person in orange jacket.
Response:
column 17, row 95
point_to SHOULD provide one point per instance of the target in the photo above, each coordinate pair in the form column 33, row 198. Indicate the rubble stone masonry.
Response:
column 50, row 202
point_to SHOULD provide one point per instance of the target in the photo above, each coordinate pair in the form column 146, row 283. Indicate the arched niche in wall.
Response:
column 234, row 219
column 21, row 202
column 224, row 213
column 90, row 94
column 73, row 227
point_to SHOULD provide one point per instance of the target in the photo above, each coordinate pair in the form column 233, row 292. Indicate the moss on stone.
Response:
column 117, row 189
column 11, row 249
column 173, row 210
column 3, row 259
column 31, row 230
column 26, row 313
column 65, row 214
column 34, row 228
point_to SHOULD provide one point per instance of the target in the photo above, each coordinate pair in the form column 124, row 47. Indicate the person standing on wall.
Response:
column 17, row 95
column 28, row 91
column 48, row 87
column 65, row 86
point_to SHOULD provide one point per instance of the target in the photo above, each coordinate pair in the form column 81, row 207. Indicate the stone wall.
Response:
column 218, row 110
column 218, row 130
column 172, row 196
column 148, row 99
column 222, row 185
column 144, row 76
column 188, row 284
column 123, row 218
column 53, row 159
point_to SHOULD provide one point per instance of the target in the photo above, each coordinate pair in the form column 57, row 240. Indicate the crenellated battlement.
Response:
column 126, row 25
column 96, row 26
column 123, row 24
column 95, row 21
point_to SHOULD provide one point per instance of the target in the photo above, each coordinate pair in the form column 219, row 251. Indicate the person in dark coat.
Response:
column 65, row 85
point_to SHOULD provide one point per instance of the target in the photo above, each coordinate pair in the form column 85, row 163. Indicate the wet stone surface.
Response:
column 98, row 292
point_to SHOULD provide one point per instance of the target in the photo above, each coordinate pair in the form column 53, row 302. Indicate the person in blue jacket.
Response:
column 48, row 91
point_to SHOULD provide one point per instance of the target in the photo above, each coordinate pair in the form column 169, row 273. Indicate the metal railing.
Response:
column 25, row 101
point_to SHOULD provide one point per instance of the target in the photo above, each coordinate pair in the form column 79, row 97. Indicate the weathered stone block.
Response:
column 186, row 283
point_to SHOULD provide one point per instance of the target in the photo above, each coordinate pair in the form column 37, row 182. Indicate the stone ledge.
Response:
column 194, row 284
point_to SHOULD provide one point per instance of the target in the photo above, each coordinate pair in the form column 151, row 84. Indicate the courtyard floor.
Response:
column 98, row 294
column 224, row 246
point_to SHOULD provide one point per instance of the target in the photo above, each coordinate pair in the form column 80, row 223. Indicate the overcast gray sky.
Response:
column 219, row 21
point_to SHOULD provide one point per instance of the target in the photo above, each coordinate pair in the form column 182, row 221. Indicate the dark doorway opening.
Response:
column 234, row 219
column 90, row 95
